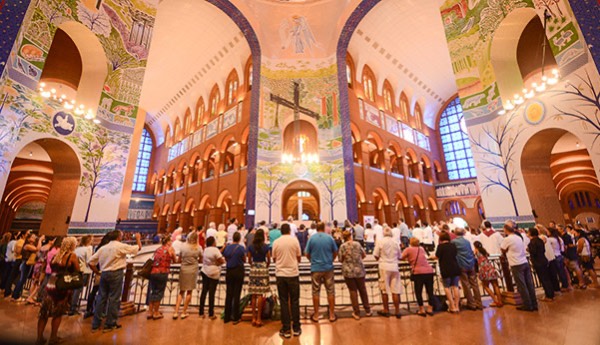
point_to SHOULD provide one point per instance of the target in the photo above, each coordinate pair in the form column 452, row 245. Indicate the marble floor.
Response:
column 573, row 318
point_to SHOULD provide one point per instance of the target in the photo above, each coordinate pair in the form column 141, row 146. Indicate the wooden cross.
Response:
column 295, row 105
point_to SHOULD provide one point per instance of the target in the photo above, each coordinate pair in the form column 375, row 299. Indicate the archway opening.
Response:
column 555, row 157
column 44, row 174
column 300, row 200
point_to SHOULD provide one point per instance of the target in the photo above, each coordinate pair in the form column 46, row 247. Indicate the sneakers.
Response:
column 285, row 333
column 297, row 332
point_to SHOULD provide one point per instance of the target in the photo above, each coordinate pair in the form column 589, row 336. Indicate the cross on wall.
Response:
column 295, row 105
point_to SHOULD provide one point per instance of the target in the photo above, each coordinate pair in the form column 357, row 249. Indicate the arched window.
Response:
column 168, row 137
column 248, row 72
column 187, row 123
column 418, row 117
column 404, row 107
column 349, row 70
column 200, row 113
column 215, row 98
column 368, row 84
column 388, row 98
column 455, row 142
column 143, row 162
column 232, row 86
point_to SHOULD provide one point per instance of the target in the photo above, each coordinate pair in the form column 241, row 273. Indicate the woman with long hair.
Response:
column 189, row 256
column 558, row 246
column 259, row 258
column 56, row 302
column 584, row 250
column 211, row 272
column 488, row 275
column 159, row 275
column 446, row 254
column 31, row 247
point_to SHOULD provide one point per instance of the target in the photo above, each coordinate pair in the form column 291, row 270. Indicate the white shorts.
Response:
column 390, row 282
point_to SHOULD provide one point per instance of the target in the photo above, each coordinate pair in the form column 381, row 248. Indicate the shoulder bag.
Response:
column 69, row 280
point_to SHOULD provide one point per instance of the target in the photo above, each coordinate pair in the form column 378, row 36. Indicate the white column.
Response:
column 299, row 208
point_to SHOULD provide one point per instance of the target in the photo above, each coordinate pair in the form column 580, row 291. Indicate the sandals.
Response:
column 430, row 313
column 175, row 316
column 335, row 318
column 158, row 317
column 383, row 313
column 184, row 316
column 422, row 314
column 312, row 318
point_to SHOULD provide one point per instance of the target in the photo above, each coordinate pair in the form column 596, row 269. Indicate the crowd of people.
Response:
column 562, row 257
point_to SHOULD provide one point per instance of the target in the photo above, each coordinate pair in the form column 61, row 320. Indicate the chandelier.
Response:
column 78, row 109
column 305, row 158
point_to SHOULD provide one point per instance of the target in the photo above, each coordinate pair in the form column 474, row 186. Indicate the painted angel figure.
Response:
column 298, row 33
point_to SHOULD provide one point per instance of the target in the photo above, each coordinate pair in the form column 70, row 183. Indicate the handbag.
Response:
column 144, row 272
column 412, row 269
column 69, row 280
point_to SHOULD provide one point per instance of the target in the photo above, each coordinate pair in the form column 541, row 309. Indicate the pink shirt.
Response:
column 421, row 266
column 51, row 253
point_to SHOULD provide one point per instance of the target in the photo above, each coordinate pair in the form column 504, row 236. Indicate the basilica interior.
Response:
column 148, row 115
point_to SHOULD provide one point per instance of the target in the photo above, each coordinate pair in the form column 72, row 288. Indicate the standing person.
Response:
column 570, row 255
column 378, row 229
column 191, row 254
column 221, row 237
column 231, row 229
column 551, row 257
column 302, row 236
column 427, row 242
column 259, row 258
column 54, row 248
column 112, row 259
column 89, row 309
column 56, row 302
column 250, row 235
column 446, row 254
column 359, row 234
column 584, row 250
column 14, row 258
column 369, row 238
column 201, row 236
column 84, row 252
column 235, row 256
column 31, row 246
column 558, row 247
column 514, row 248
column 491, row 239
column 211, row 272
column 211, row 231
column 274, row 233
column 351, row 256
column 468, row 276
column 322, row 251
column 537, row 255
column 405, row 234
column 287, row 256
column 4, row 265
column 388, row 253
column 263, row 226
column 488, row 274
column 159, row 276
column 293, row 227
column 396, row 236
column 421, row 274
column 312, row 230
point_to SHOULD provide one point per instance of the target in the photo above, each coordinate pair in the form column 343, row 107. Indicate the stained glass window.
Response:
column 455, row 142
column 143, row 163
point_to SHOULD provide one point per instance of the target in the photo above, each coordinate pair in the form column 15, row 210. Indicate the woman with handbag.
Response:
column 584, row 250
column 259, row 257
column 421, row 273
column 56, row 300
column 32, row 246
column 163, row 257
column 235, row 256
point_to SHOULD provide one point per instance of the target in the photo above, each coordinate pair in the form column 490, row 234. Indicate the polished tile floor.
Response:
column 573, row 318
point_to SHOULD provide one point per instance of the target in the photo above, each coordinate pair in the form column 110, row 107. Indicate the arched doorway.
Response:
column 45, row 171
column 300, row 200
column 556, row 157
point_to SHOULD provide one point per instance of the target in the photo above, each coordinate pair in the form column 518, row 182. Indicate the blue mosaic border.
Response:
column 587, row 13
column 240, row 20
column 342, row 48
column 12, row 13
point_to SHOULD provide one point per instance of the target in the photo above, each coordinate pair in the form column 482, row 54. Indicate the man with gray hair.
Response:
column 468, row 277
column 388, row 253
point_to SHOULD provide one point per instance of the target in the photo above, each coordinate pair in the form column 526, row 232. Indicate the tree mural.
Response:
column 103, row 160
column 587, row 96
column 97, row 21
column 270, row 178
column 497, row 148
column 331, row 177
column 494, row 13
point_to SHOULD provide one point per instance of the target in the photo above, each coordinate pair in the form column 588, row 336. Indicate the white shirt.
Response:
column 492, row 243
column 113, row 256
column 211, row 233
column 293, row 229
column 286, row 251
column 231, row 229
column 389, row 254
column 84, row 254
column 418, row 233
column 378, row 232
column 555, row 246
column 369, row 235
column 427, row 235
column 177, row 244
column 548, row 250
column 311, row 232
column 515, row 247
column 209, row 262
column 10, row 255
column 396, row 235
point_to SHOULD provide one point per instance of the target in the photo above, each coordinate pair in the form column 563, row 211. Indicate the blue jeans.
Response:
column 13, row 271
column 25, row 270
column 562, row 275
column 370, row 246
column 524, row 280
column 156, row 286
column 111, row 288
column 77, row 293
